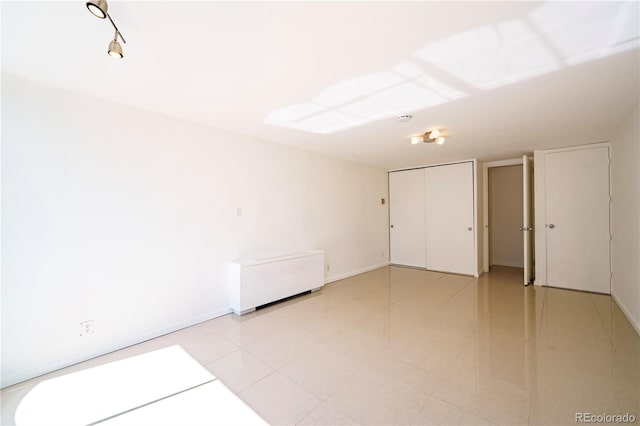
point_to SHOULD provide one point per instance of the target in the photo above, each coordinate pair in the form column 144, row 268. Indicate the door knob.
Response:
column 392, row 226
column 551, row 225
column 469, row 229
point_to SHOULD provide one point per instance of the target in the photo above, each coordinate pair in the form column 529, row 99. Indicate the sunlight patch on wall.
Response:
column 553, row 36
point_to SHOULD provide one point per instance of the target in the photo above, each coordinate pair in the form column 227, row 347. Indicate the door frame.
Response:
column 485, row 203
column 539, row 206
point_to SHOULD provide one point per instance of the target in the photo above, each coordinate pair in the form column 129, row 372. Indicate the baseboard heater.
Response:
column 257, row 282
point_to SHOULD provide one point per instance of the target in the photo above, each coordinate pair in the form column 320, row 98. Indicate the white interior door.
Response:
column 406, row 218
column 527, row 218
column 449, row 218
column 577, row 219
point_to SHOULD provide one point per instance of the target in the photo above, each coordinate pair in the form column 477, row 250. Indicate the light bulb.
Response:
column 416, row 140
column 434, row 134
column 440, row 140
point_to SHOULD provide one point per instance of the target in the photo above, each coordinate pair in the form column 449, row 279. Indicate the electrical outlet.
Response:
column 86, row 327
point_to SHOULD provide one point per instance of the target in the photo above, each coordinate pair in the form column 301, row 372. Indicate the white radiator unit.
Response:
column 256, row 282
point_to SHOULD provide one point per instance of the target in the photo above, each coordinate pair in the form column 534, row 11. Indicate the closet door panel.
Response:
column 449, row 218
column 406, row 214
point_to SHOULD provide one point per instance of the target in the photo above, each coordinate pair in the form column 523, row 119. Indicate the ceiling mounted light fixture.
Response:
column 99, row 9
column 429, row 137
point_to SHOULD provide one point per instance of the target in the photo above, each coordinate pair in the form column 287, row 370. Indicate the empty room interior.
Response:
column 320, row 213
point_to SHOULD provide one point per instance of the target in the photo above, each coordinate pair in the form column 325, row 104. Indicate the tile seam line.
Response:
column 544, row 307
column 149, row 403
column 609, row 335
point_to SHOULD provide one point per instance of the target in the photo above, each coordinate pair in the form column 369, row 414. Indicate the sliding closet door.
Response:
column 406, row 214
column 449, row 218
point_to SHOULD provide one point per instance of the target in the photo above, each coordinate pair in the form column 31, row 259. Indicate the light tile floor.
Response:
column 406, row 346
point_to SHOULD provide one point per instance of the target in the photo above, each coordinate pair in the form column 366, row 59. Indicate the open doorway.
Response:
column 505, row 216
column 508, row 215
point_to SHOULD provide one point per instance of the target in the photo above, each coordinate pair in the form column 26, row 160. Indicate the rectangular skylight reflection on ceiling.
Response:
column 492, row 56
column 588, row 30
column 394, row 101
column 352, row 89
column 408, row 69
column 440, row 88
column 293, row 113
column 359, row 100
column 555, row 34
column 328, row 122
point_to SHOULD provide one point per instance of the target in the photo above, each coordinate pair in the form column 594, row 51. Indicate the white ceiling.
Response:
column 500, row 78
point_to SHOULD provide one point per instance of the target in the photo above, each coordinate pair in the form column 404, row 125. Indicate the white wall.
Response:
column 129, row 218
column 625, row 246
column 505, row 216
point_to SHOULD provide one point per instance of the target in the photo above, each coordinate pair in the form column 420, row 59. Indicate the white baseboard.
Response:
column 21, row 376
column 352, row 273
column 634, row 323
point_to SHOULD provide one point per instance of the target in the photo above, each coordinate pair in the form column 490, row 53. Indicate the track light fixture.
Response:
column 99, row 9
column 429, row 137
column 115, row 49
